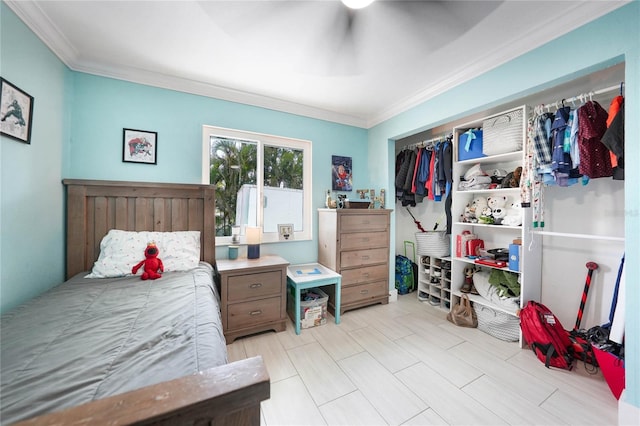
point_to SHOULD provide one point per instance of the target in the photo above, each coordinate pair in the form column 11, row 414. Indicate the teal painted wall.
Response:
column 31, row 209
column 78, row 134
column 608, row 40
column 103, row 107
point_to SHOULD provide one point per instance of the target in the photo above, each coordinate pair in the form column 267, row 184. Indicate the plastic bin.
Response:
column 313, row 307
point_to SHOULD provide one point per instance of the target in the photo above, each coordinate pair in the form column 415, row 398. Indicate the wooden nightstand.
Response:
column 253, row 295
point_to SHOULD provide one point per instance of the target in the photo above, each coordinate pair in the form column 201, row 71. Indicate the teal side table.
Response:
column 311, row 275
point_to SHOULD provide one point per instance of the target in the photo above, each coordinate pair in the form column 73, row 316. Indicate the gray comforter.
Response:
column 91, row 338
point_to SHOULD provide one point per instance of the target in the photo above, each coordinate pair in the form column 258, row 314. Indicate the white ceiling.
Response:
column 306, row 57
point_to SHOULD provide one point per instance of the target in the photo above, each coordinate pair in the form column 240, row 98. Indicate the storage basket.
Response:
column 503, row 133
column 433, row 243
column 470, row 145
column 497, row 323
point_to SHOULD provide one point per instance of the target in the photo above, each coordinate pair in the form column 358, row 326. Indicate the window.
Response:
column 261, row 180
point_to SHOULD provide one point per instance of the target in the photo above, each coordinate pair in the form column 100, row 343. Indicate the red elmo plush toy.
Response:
column 151, row 264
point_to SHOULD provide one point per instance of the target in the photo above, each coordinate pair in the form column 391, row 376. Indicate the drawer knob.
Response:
column 255, row 285
column 253, row 313
column 365, row 291
column 365, row 275
column 365, row 257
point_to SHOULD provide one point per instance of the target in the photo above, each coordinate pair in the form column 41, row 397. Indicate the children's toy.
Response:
column 152, row 264
column 514, row 215
column 496, row 202
column 512, row 179
column 477, row 206
column 486, row 216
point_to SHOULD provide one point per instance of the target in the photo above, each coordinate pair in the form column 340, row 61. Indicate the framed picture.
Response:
column 285, row 231
column 342, row 179
column 139, row 146
column 16, row 112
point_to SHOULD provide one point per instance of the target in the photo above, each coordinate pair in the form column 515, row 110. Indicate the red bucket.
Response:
column 612, row 369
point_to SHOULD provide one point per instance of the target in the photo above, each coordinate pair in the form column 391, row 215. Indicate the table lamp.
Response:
column 253, row 241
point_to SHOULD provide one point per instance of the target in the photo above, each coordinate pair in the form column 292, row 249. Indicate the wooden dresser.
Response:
column 355, row 243
column 252, row 295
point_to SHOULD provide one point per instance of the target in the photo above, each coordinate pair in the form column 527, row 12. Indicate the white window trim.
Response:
column 272, row 140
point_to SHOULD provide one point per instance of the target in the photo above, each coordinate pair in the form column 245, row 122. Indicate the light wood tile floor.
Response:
column 404, row 363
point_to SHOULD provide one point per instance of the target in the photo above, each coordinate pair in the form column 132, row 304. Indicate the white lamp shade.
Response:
column 253, row 234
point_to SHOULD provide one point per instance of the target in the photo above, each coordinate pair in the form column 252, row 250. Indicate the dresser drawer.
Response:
column 363, row 222
column 249, row 286
column 247, row 314
column 365, row 274
column 362, row 292
column 363, row 257
column 364, row 240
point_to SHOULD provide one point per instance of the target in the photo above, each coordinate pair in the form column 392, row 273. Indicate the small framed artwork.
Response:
column 139, row 146
column 342, row 179
column 16, row 112
column 285, row 231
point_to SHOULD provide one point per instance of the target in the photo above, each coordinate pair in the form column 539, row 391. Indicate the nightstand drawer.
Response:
column 363, row 257
column 364, row 222
column 364, row 240
column 365, row 274
column 248, row 314
column 249, row 286
column 358, row 293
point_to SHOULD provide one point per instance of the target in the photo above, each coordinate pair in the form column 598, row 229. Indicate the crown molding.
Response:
column 537, row 36
column 33, row 16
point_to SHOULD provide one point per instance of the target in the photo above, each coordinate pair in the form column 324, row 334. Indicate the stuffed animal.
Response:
column 498, row 215
column 468, row 215
column 497, row 205
column 496, row 202
column 514, row 215
column 152, row 264
column 478, row 205
column 512, row 179
column 486, row 216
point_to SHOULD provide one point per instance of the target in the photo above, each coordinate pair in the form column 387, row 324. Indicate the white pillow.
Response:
column 489, row 292
column 122, row 250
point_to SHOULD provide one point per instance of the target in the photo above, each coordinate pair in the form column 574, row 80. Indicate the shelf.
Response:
column 491, row 191
column 472, row 261
column 501, row 158
column 482, row 301
column 489, row 225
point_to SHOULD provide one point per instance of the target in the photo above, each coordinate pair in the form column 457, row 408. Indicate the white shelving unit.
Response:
column 434, row 281
column 494, row 236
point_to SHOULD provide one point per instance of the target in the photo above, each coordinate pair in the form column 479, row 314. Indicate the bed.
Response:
column 123, row 350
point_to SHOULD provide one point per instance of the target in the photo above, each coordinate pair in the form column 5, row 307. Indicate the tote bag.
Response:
column 503, row 133
column 462, row 313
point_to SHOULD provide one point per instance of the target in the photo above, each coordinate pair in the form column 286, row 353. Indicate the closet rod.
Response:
column 615, row 88
column 585, row 236
column 428, row 141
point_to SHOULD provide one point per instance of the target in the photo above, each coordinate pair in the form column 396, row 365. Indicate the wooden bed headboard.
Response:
column 94, row 207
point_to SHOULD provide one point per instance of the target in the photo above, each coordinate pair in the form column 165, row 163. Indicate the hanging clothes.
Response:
column 614, row 107
column 422, row 174
column 613, row 139
column 594, row 156
column 542, row 145
column 561, row 165
column 446, row 165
